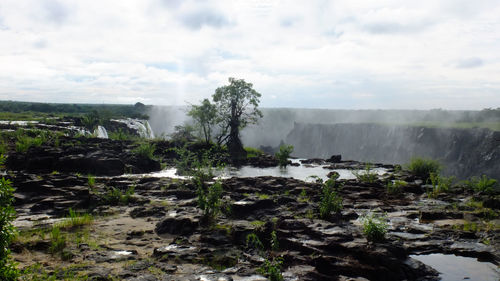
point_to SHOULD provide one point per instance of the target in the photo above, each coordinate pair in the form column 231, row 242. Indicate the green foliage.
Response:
column 439, row 184
column 91, row 181
column 253, row 241
column 303, row 196
column 236, row 106
column 275, row 245
column 283, row 154
column 367, row 175
column 121, row 135
column 183, row 134
column 8, row 270
column 210, row 200
column 145, row 150
column 374, row 227
column 482, row 184
column 204, row 116
column 331, row 202
column 395, row 187
column 253, row 152
column 75, row 219
column 24, row 142
column 272, row 269
column 114, row 196
column 423, row 168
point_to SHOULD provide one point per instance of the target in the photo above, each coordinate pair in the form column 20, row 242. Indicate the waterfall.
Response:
column 142, row 127
column 101, row 132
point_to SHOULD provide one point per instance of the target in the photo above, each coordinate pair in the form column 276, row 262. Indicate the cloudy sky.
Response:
column 358, row 54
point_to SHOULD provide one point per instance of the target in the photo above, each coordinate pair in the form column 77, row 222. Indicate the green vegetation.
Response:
column 253, row 152
column 91, row 181
column 481, row 184
column 114, row 196
column 121, row 135
column 367, row 175
column 145, row 150
column 25, row 142
column 396, row 186
column 303, row 197
column 374, row 227
column 423, row 168
column 8, row 269
column 234, row 107
column 13, row 110
column 75, row 219
column 253, row 241
column 38, row 272
column 272, row 269
column 439, row 185
column 205, row 117
column 275, row 245
column 283, row 154
column 210, row 201
column 331, row 202
column 58, row 242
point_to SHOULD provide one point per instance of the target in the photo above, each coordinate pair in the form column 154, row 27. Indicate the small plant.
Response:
column 374, row 227
column 367, row 175
column 253, row 241
column 253, row 152
column 210, row 201
column 482, row 184
column 423, row 168
column 275, row 245
column 75, row 219
column 395, row 187
column 58, row 242
column 91, row 181
column 303, row 196
column 272, row 269
column 283, row 154
column 120, row 135
column 331, row 202
column 145, row 150
column 439, row 185
column 115, row 196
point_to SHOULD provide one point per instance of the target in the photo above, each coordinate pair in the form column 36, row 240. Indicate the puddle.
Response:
column 302, row 172
column 452, row 268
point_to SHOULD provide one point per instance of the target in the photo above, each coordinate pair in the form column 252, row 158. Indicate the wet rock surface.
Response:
column 160, row 236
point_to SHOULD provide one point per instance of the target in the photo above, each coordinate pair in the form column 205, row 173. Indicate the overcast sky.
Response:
column 359, row 54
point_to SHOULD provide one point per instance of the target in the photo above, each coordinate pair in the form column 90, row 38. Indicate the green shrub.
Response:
column 272, row 269
column 374, row 227
column 367, row 175
column 283, row 154
column 482, row 184
column 145, row 150
column 331, row 202
column 253, row 241
column 439, row 184
column 253, row 152
column 423, row 168
column 395, row 187
column 210, row 200
column 114, row 196
column 24, row 142
column 275, row 245
column 8, row 269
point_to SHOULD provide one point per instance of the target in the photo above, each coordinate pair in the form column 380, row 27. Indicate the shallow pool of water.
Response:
column 452, row 268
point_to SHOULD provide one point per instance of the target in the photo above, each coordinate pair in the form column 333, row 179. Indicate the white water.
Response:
column 142, row 127
column 101, row 132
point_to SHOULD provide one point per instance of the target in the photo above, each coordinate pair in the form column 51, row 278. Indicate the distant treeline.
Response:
column 109, row 110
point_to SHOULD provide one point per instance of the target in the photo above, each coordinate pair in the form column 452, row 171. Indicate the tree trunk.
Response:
column 234, row 145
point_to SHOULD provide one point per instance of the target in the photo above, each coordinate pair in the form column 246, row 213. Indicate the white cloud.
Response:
column 342, row 54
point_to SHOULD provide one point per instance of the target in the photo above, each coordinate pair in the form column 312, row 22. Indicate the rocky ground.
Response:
column 148, row 228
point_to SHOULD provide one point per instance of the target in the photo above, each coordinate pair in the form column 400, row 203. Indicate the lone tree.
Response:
column 236, row 105
column 205, row 116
